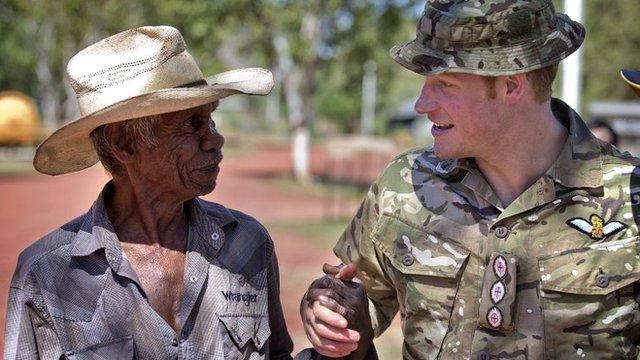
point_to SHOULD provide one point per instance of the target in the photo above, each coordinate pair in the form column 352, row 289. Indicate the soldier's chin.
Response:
column 442, row 153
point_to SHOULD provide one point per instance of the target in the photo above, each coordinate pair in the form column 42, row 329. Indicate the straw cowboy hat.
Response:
column 632, row 78
column 490, row 37
column 136, row 73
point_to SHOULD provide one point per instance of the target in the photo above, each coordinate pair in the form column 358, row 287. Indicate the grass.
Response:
column 321, row 233
column 16, row 167
column 320, row 189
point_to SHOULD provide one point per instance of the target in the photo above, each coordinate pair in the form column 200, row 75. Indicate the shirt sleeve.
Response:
column 29, row 331
column 280, row 344
column 355, row 246
column 19, row 337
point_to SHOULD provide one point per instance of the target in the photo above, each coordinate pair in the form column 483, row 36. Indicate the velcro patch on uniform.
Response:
column 595, row 227
column 494, row 317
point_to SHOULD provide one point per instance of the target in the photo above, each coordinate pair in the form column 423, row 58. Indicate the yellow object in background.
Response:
column 19, row 120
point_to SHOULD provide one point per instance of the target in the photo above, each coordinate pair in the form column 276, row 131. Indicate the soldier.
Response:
column 515, row 236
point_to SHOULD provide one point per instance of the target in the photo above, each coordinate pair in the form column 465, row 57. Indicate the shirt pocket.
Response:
column 588, row 300
column 244, row 335
column 425, row 271
column 118, row 349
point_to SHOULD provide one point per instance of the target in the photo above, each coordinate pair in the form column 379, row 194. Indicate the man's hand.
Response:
column 335, row 314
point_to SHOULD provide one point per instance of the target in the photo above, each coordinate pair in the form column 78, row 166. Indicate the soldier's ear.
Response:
column 514, row 87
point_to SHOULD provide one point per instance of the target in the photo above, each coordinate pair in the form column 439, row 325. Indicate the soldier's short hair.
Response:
column 540, row 79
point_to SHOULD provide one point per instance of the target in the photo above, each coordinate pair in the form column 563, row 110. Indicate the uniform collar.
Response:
column 579, row 165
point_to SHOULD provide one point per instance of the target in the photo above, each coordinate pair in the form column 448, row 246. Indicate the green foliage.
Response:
column 39, row 35
column 613, row 39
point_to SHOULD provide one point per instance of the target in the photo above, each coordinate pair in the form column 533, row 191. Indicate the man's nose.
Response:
column 426, row 102
column 211, row 139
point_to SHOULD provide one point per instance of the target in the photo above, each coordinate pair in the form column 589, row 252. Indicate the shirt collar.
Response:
column 97, row 231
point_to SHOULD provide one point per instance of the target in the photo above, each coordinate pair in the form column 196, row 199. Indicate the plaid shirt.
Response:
column 75, row 294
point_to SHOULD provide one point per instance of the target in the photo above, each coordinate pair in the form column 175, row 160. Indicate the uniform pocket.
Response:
column 589, row 302
column 118, row 349
column 244, row 335
column 425, row 271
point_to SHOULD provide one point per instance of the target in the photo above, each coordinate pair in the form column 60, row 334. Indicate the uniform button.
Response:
column 502, row 232
column 215, row 236
column 483, row 355
column 174, row 342
column 407, row 259
column 602, row 280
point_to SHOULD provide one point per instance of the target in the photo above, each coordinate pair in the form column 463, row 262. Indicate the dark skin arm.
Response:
column 335, row 314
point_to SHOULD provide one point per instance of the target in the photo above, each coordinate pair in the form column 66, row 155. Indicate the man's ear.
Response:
column 514, row 87
column 122, row 148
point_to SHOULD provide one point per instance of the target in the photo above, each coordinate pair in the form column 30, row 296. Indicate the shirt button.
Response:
column 174, row 342
column 215, row 236
column 407, row 259
column 483, row 355
column 502, row 232
column 602, row 280
column 193, row 279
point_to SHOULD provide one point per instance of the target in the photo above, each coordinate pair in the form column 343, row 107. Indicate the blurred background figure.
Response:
column 603, row 131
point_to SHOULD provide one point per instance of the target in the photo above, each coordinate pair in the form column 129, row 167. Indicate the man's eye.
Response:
column 193, row 122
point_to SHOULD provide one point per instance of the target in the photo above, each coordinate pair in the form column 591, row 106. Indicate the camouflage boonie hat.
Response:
column 489, row 37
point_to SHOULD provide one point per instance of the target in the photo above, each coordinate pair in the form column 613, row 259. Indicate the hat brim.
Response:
column 496, row 61
column 632, row 78
column 70, row 148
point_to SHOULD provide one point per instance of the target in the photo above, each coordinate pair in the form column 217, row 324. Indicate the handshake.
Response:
column 335, row 315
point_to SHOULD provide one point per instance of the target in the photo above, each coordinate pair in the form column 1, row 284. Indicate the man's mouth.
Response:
column 443, row 126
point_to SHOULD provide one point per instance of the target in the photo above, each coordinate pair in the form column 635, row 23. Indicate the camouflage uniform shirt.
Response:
column 431, row 240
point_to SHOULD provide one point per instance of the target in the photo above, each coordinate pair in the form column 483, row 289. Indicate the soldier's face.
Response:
column 466, row 120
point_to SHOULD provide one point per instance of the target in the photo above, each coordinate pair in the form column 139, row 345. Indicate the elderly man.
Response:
column 515, row 236
column 150, row 271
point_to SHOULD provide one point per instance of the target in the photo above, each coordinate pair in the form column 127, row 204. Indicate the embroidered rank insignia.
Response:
column 500, row 266
column 494, row 317
column 595, row 227
column 497, row 292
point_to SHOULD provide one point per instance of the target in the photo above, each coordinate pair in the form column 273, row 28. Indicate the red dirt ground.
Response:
column 34, row 204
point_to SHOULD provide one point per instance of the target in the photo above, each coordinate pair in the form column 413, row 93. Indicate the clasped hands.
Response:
column 335, row 314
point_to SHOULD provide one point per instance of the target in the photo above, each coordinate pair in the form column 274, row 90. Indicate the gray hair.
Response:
column 134, row 130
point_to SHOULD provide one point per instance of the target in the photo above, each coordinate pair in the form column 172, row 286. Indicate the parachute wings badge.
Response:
column 595, row 226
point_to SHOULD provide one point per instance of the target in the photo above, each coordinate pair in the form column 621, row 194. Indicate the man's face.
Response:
column 466, row 122
column 185, row 161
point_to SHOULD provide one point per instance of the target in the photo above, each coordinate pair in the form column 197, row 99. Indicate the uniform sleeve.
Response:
column 355, row 246
column 280, row 344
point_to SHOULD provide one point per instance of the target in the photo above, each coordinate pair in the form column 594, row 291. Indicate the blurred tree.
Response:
column 613, row 38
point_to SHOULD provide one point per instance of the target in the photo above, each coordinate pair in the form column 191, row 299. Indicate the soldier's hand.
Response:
column 335, row 312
